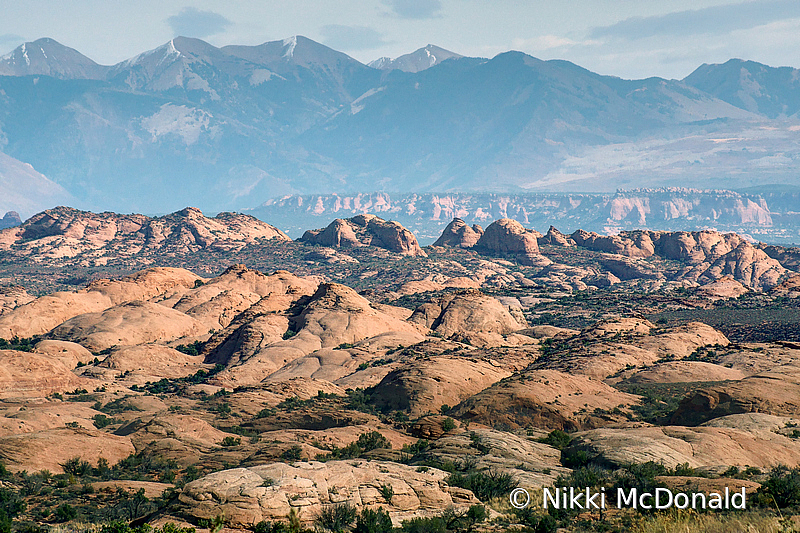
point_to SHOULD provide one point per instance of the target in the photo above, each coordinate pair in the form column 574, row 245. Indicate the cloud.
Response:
column 192, row 22
column 548, row 42
column 711, row 20
column 415, row 9
column 10, row 40
column 351, row 37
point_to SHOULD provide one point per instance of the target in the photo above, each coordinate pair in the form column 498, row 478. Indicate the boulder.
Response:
column 466, row 312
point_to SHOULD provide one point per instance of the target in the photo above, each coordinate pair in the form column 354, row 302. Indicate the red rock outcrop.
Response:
column 508, row 238
column 366, row 230
column 459, row 234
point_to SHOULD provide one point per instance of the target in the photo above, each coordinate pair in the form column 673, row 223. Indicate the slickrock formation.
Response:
column 271, row 334
column 366, row 230
column 545, row 399
column 49, row 449
column 67, row 232
column 12, row 297
column 43, row 314
column 556, row 238
column 458, row 234
column 532, row 463
column 724, row 287
column 467, row 312
column 712, row 255
column 242, row 496
column 730, row 440
column 420, row 387
column 128, row 324
column 25, row 374
column 774, row 392
column 508, row 238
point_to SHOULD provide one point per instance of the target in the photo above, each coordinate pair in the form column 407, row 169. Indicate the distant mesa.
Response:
column 366, row 230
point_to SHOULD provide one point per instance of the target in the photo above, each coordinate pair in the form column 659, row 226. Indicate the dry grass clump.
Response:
column 690, row 522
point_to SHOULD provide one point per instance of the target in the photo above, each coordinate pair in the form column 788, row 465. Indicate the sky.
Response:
column 626, row 38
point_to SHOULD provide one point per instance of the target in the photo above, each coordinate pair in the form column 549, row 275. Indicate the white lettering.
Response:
column 743, row 496
column 630, row 501
column 554, row 500
column 642, row 498
column 666, row 493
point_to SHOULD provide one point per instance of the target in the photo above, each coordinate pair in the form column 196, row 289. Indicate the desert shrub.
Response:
column 448, row 424
column 373, row 521
column 336, row 518
column 295, row 453
column 65, row 512
column 783, row 486
column 231, row 441
column 190, row 349
column 372, row 441
column 557, row 439
column 434, row 524
column 485, row 485
column 77, row 467
column 388, row 493
column 276, row 526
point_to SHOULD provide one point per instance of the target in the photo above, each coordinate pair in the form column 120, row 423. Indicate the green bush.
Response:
column 782, row 485
column 484, row 485
column 295, row 453
column 271, row 527
column 65, row 512
column 373, row 521
column 557, row 439
column 77, row 467
column 424, row 525
column 372, row 441
column 231, row 441
column 448, row 424
column 336, row 518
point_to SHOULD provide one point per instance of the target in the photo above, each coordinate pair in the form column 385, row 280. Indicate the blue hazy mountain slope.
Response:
column 769, row 91
column 226, row 128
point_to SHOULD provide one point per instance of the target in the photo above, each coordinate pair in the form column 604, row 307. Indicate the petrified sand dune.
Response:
column 554, row 237
column 12, row 297
column 508, row 238
column 774, row 392
column 366, row 230
column 51, row 448
column 128, row 324
column 698, row 446
column 153, row 361
column 421, row 387
column 546, row 399
column 241, row 495
column 45, row 313
column 532, row 463
column 685, row 371
column 459, row 234
column 466, row 312
column 33, row 375
column 67, row 232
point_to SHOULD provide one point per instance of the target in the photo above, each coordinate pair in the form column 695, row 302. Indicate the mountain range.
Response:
column 225, row 128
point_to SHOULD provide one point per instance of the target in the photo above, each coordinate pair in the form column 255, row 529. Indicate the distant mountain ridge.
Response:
column 227, row 128
column 417, row 61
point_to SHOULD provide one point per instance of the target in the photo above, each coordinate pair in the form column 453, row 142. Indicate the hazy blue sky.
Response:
column 628, row 38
